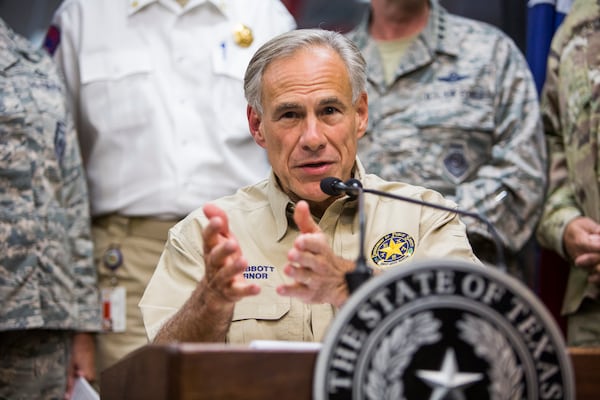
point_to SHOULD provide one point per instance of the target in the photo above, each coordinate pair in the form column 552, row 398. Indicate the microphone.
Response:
column 353, row 188
column 335, row 186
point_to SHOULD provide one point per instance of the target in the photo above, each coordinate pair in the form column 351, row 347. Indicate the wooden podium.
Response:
column 217, row 371
column 210, row 371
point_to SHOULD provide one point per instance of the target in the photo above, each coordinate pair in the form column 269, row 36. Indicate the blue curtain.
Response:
column 543, row 17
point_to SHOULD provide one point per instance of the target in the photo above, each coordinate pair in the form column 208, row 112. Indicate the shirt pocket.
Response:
column 257, row 318
column 229, row 62
column 12, row 110
column 230, row 59
column 17, row 158
column 117, row 89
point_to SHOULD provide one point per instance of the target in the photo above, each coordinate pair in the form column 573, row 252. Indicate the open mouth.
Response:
column 316, row 168
column 315, row 165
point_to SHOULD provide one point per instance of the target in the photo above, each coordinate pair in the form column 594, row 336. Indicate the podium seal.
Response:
column 443, row 330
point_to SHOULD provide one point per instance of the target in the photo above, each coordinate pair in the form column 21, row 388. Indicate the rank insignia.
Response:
column 392, row 248
column 242, row 35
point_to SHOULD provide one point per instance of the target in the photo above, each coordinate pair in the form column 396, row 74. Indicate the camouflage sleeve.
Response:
column 509, row 189
column 75, row 197
column 561, row 205
column 62, row 42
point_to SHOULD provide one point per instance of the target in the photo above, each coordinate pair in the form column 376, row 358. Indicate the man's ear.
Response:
column 362, row 115
column 255, row 125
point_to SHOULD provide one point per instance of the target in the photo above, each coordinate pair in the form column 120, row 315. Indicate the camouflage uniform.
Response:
column 461, row 117
column 571, row 115
column 47, row 278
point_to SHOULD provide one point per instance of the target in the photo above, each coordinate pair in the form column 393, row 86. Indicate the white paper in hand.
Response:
column 82, row 390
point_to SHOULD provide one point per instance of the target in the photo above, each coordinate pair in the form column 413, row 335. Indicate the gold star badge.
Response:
column 242, row 35
column 392, row 248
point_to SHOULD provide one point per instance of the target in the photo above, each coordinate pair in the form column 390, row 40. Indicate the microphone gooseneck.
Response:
column 353, row 188
column 361, row 272
column 500, row 263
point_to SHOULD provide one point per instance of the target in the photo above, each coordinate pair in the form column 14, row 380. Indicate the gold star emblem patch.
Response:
column 392, row 248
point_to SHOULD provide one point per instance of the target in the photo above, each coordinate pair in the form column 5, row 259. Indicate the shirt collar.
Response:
column 7, row 57
column 136, row 5
column 282, row 206
column 14, row 47
column 437, row 36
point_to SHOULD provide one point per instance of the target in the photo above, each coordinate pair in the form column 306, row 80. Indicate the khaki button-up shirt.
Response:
column 259, row 215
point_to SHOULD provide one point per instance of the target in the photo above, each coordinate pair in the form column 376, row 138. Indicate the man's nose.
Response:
column 313, row 135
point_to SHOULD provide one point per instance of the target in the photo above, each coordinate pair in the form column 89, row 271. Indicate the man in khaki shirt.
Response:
column 270, row 261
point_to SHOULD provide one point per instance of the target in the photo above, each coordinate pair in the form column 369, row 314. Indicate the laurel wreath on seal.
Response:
column 489, row 344
column 395, row 352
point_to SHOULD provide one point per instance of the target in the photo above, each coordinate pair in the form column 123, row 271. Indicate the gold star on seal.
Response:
column 392, row 249
column 242, row 35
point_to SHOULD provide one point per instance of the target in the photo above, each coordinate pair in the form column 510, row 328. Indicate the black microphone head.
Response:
column 330, row 184
column 354, row 183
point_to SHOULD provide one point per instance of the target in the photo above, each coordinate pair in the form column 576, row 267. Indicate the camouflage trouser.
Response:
column 33, row 364
column 584, row 325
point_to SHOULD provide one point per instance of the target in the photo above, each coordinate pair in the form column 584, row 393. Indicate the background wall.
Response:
column 31, row 17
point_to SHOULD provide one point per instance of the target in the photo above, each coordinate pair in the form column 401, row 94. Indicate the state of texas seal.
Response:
column 443, row 330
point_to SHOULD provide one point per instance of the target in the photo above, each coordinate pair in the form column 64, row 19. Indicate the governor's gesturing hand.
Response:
column 318, row 273
column 206, row 315
column 224, row 261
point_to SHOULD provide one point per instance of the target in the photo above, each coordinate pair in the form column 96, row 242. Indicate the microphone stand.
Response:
column 361, row 272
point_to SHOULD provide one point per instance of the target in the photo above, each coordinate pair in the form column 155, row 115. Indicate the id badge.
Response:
column 113, row 309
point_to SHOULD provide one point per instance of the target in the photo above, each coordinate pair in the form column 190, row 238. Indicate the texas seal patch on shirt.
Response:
column 392, row 248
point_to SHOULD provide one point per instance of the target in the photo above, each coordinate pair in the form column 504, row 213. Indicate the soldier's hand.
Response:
column 582, row 238
column 594, row 277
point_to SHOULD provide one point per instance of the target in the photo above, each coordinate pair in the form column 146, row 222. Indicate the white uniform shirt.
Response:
column 158, row 96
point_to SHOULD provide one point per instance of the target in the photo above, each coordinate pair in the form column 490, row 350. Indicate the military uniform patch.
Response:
column 392, row 248
column 443, row 330
column 60, row 141
column 52, row 39
column 455, row 161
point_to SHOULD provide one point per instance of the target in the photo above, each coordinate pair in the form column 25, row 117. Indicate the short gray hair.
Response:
column 288, row 44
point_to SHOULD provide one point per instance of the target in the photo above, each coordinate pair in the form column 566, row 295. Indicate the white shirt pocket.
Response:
column 117, row 91
column 231, row 60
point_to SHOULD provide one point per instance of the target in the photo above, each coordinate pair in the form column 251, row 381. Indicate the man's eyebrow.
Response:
column 328, row 101
column 284, row 107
